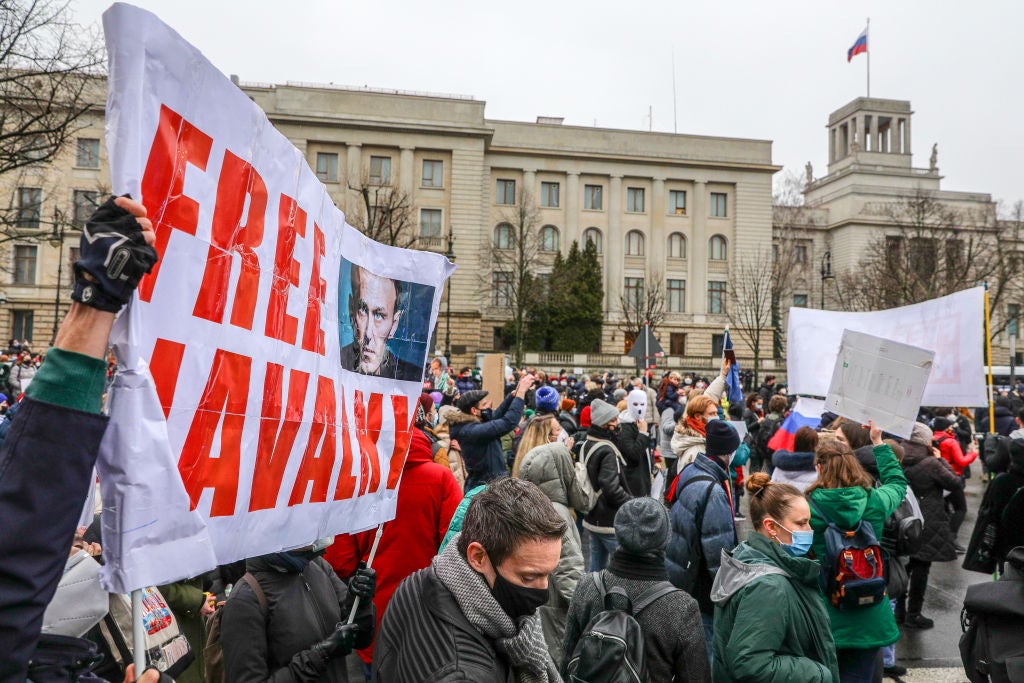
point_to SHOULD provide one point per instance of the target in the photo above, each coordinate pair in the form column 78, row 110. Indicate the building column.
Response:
column 831, row 145
column 530, row 185
column 875, row 141
column 697, row 255
column 354, row 163
column 907, row 149
column 657, row 250
column 614, row 245
column 406, row 172
column 572, row 209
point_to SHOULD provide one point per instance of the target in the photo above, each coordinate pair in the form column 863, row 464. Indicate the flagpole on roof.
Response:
column 867, row 33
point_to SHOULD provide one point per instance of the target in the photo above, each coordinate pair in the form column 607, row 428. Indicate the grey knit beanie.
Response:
column 921, row 435
column 601, row 413
column 641, row 526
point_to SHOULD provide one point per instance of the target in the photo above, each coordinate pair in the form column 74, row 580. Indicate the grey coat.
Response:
column 550, row 467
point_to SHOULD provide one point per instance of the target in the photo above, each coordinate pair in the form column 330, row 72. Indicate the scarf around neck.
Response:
column 696, row 424
column 523, row 644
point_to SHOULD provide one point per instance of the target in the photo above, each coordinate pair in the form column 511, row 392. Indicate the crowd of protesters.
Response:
column 483, row 574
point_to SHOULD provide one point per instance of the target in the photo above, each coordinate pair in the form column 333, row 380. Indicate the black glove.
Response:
column 339, row 643
column 363, row 583
column 115, row 256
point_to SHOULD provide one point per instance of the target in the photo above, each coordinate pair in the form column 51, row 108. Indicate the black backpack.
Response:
column 992, row 620
column 611, row 649
column 904, row 528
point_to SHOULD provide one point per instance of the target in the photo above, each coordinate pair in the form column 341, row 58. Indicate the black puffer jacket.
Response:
column 607, row 471
column 928, row 477
column 633, row 445
column 303, row 609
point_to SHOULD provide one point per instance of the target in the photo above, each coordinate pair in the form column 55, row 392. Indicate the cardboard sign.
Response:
column 879, row 379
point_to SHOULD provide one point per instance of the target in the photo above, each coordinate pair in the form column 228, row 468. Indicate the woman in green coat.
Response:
column 770, row 622
column 845, row 493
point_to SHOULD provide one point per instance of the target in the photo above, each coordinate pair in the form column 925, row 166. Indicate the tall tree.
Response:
column 581, row 312
column 644, row 302
column 753, row 301
column 384, row 214
column 513, row 258
column 48, row 80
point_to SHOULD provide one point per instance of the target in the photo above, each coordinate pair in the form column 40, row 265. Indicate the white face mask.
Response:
column 638, row 403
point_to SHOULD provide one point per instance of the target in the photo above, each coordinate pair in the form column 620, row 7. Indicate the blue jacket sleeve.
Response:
column 505, row 419
column 45, row 474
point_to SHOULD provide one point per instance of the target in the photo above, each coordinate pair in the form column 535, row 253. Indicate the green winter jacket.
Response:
column 770, row 622
column 874, row 626
column 455, row 526
column 186, row 598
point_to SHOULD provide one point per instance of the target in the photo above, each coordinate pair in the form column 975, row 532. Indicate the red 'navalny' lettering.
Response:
column 275, row 445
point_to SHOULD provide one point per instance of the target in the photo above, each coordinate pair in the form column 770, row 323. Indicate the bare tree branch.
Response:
column 385, row 214
column 643, row 304
column 514, row 252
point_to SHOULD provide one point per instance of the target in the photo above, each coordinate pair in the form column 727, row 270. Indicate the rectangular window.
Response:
column 86, row 202
column 505, row 192
column 430, row 222
column 635, row 199
column 22, row 325
column 718, row 204
column 800, row 254
column 380, row 170
column 30, row 205
column 592, row 197
column 24, row 264
column 633, row 292
column 327, row 167
column 433, row 173
column 87, row 153
column 549, row 195
column 675, row 302
column 1013, row 320
column 677, row 202
column 501, row 289
column 717, row 345
column 716, row 297
column 73, row 254
column 800, row 300
column 677, row 344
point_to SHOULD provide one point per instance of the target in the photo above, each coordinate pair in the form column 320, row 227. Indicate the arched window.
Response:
column 594, row 235
column 717, row 250
column 549, row 238
column 677, row 245
column 634, row 243
column 503, row 236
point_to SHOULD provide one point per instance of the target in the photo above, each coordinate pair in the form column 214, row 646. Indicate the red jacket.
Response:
column 951, row 452
column 427, row 498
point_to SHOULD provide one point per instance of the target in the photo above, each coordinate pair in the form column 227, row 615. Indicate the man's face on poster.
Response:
column 375, row 320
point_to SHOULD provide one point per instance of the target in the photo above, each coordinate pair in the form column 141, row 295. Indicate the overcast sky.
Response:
column 744, row 68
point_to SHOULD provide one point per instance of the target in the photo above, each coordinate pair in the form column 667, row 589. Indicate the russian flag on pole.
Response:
column 806, row 413
column 732, row 380
column 860, row 45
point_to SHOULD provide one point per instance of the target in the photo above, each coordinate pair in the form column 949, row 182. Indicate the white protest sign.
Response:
column 270, row 364
column 952, row 326
column 740, row 426
column 879, row 379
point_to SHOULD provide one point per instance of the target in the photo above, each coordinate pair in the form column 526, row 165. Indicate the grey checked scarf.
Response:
column 524, row 647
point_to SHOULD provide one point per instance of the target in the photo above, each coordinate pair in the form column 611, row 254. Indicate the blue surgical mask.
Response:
column 802, row 541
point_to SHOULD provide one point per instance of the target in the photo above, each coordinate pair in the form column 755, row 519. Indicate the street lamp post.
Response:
column 826, row 274
column 450, row 255
column 56, row 239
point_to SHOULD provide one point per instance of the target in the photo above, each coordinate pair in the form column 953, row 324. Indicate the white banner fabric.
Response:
column 269, row 367
column 952, row 326
column 879, row 379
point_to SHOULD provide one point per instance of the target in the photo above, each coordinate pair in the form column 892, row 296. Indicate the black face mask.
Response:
column 517, row 601
column 486, row 414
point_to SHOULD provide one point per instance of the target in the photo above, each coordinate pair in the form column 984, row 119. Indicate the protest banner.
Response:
column 879, row 379
column 269, row 366
column 951, row 326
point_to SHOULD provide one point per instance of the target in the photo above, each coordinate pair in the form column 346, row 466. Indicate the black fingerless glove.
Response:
column 339, row 643
column 115, row 256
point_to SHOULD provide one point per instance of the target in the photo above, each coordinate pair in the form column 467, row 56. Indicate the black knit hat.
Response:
column 470, row 399
column 721, row 437
column 941, row 424
column 642, row 526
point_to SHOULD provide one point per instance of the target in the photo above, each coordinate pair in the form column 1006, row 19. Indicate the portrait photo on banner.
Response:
column 383, row 323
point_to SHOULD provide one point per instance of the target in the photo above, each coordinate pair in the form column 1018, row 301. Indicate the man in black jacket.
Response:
column 300, row 635
column 606, row 468
column 471, row 615
column 479, row 430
